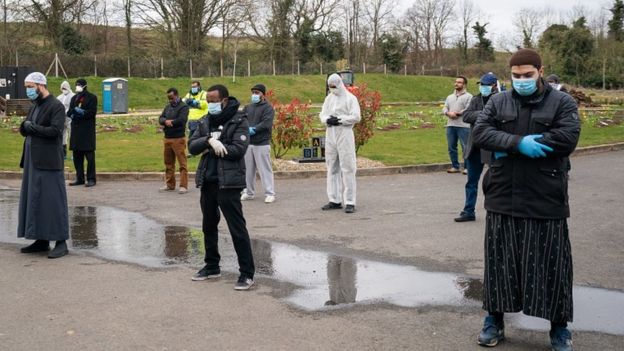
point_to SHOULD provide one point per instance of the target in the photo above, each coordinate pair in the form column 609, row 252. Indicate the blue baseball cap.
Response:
column 488, row 79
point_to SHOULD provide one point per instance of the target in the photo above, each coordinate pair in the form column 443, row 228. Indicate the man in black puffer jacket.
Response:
column 528, row 262
column 222, row 138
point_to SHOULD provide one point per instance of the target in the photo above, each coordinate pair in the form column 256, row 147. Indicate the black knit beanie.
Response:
column 260, row 88
column 526, row 57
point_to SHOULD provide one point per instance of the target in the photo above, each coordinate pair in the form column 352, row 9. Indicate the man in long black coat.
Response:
column 82, row 110
column 43, row 201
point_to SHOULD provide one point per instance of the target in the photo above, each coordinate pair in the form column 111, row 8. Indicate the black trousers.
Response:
column 79, row 157
column 228, row 200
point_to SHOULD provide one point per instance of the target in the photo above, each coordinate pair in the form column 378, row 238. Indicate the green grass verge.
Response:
column 150, row 93
column 120, row 151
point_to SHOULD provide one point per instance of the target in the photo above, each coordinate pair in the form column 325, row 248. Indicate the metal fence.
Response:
column 162, row 67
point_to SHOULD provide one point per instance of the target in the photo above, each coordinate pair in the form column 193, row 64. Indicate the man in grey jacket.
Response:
column 260, row 115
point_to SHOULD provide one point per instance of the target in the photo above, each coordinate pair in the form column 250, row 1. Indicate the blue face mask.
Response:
column 32, row 93
column 214, row 108
column 485, row 90
column 255, row 98
column 194, row 90
column 525, row 87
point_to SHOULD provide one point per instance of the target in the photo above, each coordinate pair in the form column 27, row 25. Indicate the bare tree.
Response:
column 185, row 23
column 127, row 11
column 232, row 20
column 431, row 19
column 55, row 14
column 468, row 12
column 528, row 21
column 378, row 13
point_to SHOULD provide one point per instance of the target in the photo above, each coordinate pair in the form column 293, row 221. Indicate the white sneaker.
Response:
column 269, row 199
column 165, row 189
column 182, row 190
column 246, row 197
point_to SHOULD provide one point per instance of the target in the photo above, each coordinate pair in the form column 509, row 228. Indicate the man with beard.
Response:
column 531, row 129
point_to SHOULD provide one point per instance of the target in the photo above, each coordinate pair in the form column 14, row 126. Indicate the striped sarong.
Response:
column 528, row 267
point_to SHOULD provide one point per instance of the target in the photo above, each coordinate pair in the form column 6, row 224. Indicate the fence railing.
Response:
column 162, row 67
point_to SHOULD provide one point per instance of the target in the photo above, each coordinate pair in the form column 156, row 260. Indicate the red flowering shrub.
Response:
column 292, row 125
column 370, row 104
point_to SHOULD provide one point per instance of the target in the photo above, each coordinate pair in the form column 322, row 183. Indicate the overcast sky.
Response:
column 499, row 13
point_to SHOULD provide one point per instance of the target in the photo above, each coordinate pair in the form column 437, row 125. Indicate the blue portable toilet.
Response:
column 115, row 95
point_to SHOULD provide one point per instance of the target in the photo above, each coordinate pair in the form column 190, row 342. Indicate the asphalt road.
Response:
column 83, row 302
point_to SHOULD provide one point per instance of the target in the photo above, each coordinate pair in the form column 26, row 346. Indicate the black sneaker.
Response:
column 349, row 208
column 243, row 283
column 492, row 332
column 465, row 217
column 332, row 206
column 206, row 273
column 60, row 250
column 37, row 246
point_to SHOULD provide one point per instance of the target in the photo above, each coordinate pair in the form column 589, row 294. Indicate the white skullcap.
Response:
column 37, row 78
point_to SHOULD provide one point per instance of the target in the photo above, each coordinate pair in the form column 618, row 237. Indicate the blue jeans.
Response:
column 453, row 134
column 192, row 126
column 474, row 167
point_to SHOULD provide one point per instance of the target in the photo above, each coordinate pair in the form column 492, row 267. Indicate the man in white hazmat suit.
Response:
column 341, row 110
column 65, row 98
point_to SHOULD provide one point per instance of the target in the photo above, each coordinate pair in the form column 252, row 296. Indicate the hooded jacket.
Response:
column 341, row 104
column 66, row 98
column 516, row 185
column 260, row 116
column 232, row 129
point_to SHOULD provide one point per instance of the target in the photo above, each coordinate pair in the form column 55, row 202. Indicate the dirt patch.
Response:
column 290, row 165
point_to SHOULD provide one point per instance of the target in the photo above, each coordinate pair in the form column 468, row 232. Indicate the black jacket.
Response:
column 470, row 116
column 47, row 140
column 234, row 136
column 179, row 115
column 82, row 136
column 260, row 116
column 516, row 185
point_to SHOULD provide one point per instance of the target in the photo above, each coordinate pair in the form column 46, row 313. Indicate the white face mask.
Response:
column 79, row 89
column 65, row 91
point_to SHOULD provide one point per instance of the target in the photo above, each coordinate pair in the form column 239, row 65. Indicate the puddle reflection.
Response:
column 317, row 280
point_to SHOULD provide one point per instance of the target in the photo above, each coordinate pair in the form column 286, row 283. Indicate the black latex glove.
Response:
column 30, row 128
column 333, row 121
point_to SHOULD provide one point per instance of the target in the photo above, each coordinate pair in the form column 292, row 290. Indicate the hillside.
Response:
column 150, row 93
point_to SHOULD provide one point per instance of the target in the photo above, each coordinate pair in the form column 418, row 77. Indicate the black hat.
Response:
column 259, row 87
column 81, row 82
column 526, row 57
column 553, row 78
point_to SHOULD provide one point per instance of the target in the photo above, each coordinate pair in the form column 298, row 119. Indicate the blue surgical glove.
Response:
column 79, row 111
column 190, row 102
column 499, row 154
column 531, row 148
column 252, row 130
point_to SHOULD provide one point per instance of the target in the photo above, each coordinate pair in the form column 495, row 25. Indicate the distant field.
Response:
column 150, row 93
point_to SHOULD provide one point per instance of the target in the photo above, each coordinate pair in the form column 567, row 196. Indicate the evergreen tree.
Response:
column 485, row 51
column 616, row 23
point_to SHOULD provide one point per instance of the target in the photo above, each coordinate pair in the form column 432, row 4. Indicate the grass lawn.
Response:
column 147, row 93
column 419, row 138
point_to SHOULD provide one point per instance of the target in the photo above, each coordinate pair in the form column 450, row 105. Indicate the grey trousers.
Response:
column 258, row 157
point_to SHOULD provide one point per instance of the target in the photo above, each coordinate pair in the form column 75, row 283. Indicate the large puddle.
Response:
column 314, row 280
